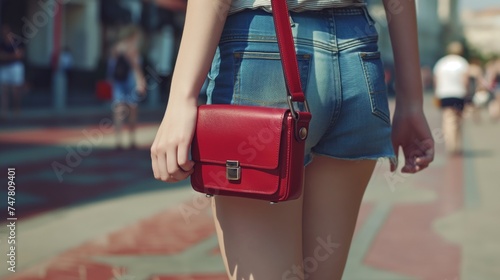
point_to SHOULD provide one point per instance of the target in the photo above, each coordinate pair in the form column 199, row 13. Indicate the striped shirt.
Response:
column 295, row 5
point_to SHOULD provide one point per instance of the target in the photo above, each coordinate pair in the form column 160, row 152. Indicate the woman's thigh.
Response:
column 332, row 196
column 259, row 240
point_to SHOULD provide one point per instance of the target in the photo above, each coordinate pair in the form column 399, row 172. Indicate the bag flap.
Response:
column 248, row 134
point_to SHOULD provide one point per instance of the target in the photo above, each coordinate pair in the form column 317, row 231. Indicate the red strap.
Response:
column 287, row 49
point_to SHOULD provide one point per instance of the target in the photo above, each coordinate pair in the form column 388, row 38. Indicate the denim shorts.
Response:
column 12, row 74
column 125, row 92
column 341, row 73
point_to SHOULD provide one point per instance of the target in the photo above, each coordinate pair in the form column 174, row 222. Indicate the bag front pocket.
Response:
column 373, row 70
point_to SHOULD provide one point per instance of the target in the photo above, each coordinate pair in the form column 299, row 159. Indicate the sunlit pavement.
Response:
column 88, row 211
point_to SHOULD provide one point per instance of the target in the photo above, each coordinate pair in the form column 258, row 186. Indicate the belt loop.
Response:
column 367, row 16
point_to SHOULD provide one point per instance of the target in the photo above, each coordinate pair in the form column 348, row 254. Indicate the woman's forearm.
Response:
column 401, row 17
column 202, row 30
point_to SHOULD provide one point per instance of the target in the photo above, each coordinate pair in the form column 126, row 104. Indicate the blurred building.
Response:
column 45, row 32
column 438, row 24
column 482, row 30
column 85, row 29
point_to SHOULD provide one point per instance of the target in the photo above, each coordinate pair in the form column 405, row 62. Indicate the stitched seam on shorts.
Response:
column 272, row 39
column 357, row 42
column 235, row 99
column 271, row 55
column 337, row 81
column 372, row 93
column 364, row 157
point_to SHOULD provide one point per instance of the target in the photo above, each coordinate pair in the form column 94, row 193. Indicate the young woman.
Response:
column 11, row 71
column 342, row 76
column 128, row 82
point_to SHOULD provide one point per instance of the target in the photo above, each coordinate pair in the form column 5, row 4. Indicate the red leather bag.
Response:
column 104, row 90
column 251, row 151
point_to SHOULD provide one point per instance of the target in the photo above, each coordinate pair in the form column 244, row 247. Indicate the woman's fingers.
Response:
column 154, row 162
column 183, row 158
column 394, row 163
column 172, row 167
column 426, row 154
column 170, row 163
column 174, row 170
column 170, row 150
column 162, row 165
column 425, row 159
column 417, row 160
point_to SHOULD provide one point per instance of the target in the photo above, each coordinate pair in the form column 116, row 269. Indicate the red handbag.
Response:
column 251, row 151
column 104, row 90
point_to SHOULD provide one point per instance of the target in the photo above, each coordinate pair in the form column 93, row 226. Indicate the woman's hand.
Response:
column 411, row 132
column 170, row 149
column 410, row 129
column 202, row 30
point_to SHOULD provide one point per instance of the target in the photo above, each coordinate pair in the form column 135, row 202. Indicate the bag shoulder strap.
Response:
column 287, row 50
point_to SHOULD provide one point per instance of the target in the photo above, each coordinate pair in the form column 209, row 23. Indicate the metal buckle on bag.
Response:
column 300, row 133
column 233, row 170
column 295, row 115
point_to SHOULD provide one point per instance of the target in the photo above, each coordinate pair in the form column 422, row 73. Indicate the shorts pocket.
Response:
column 259, row 78
column 375, row 82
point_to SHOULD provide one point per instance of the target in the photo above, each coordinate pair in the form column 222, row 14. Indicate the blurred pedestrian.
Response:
column 451, row 79
column 128, row 82
column 11, row 70
column 493, row 77
column 66, row 59
column 426, row 77
column 477, row 91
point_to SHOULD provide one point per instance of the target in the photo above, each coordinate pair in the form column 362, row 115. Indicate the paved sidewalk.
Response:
column 104, row 217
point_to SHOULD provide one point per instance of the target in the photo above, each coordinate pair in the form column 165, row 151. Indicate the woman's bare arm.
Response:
column 170, row 150
column 410, row 130
column 401, row 17
column 202, row 30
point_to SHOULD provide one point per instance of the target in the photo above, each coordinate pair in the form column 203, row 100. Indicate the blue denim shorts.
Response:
column 125, row 92
column 341, row 73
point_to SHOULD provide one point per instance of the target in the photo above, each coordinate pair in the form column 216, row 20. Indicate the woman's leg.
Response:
column 332, row 196
column 119, row 114
column 258, row 240
column 451, row 130
column 132, row 119
column 494, row 107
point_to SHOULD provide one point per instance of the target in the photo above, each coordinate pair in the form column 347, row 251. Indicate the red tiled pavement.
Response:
column 165, row 233
column 58, row 135
column 396, row 248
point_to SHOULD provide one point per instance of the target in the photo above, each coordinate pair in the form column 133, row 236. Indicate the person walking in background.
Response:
column 477, row 93
column 451, row 79
column 128, row 82
column 11, row 71
column 493, row 78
